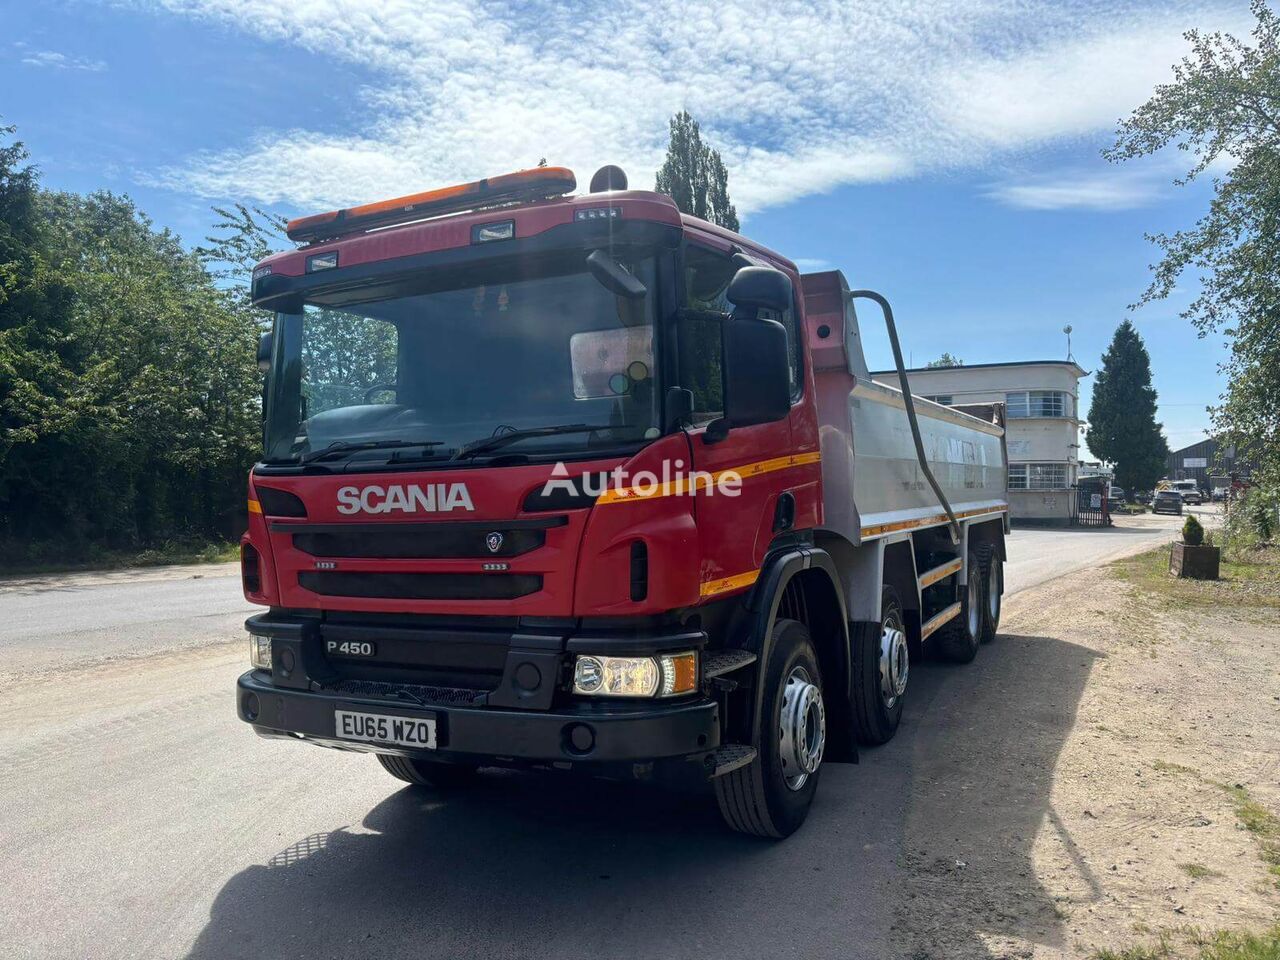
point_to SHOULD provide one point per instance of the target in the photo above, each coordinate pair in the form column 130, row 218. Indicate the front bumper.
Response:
column 613, row 732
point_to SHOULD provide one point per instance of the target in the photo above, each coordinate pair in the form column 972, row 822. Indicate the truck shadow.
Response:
column 541, row 865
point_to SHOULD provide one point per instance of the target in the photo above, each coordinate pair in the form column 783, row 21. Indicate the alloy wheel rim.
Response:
column 895, row 662
column 802, row 729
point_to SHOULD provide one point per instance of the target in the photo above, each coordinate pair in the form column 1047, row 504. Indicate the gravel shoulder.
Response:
column 1088, row 787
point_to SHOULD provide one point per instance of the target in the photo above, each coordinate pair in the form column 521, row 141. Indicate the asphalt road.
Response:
column 142, row 819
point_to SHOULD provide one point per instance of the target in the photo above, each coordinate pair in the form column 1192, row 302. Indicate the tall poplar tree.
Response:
column 694, row 175
column 1122, row 417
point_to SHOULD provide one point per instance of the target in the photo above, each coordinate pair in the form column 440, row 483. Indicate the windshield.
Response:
column 511, row 350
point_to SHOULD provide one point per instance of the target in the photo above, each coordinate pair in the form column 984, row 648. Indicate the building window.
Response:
column 943, row 398
column 1038, row 476
column 1037, row 403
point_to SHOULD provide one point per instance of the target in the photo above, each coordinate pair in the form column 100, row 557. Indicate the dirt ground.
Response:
column 1100, row 794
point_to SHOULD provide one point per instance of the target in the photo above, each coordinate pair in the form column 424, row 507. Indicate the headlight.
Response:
column 259, row 652
column 666, row 675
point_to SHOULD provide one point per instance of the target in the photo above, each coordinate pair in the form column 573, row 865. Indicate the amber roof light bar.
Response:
column 523, row 185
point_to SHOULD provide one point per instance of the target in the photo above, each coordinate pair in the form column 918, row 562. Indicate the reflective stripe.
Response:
column 938, row 619
column 685, row 484
column 936, row 519
column 711, row 588
column 931, row 577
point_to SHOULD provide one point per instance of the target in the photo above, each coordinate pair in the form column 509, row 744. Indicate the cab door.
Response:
column 737, row 522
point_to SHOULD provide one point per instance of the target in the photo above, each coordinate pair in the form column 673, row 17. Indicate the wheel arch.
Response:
column 988, row 532
column 802, row 583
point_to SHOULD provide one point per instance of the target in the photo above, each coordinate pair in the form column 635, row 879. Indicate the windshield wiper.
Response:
column 501, row 440
column 348, row 446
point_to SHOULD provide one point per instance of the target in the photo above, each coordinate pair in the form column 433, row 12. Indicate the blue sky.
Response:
column 945, row 153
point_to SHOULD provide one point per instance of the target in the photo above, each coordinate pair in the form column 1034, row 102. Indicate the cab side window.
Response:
column 706, row 279
column 788, row 320
column 707, row 274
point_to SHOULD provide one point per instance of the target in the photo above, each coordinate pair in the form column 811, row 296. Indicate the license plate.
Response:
column 417, row 732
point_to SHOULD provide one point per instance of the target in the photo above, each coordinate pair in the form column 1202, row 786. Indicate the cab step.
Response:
column 730, row 757
column 717, row 663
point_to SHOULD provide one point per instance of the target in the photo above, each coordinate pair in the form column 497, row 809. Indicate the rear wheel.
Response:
column 992, row 590
column 959, row 638
column 428, row 773
column 770, row 797
column 880, row 667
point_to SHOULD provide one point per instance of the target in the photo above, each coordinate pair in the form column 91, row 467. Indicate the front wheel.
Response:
column 770, row 797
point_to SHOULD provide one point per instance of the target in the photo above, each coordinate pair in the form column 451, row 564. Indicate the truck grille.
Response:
column 409, row 693
column 421, row 541
column 421, row 586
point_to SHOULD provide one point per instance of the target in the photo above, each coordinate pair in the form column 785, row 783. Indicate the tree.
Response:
column 1122, row 417
column 129, row 409
column 946, row 360
column 694, row 176
column 1223, row 107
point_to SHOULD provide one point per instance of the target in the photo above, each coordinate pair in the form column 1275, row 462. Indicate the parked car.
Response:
column 1188, row 490
column 1167, row 501
column 1219, row 493
column 1143, row 496
column 1116, row 494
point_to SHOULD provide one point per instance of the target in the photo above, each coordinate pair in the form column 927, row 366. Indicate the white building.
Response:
column 1043, row 437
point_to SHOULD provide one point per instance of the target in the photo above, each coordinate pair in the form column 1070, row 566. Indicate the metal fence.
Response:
column 1089, row 506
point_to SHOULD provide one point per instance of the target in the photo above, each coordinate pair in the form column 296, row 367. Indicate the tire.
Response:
column 992, row 592
column 880, row 674
column 770, row 797
column 428, row 773
column 959, row 638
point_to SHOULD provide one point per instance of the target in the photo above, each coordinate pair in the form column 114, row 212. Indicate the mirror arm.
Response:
column 679, row 408
column 716, row 430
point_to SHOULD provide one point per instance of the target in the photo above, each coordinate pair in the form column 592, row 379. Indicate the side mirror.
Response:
column 264, row 351
column 757, row 375
column 757, row 370
column 753, row 289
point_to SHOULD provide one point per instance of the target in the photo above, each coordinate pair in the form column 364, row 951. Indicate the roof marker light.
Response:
column 485, row 232
column 597, row 213
column 523, row 185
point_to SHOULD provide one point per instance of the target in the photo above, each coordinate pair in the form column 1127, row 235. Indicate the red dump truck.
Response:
column 581, row 482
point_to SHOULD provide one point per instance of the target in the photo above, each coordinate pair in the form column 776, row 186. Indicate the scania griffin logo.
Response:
column 432, row 498
column 494, row 541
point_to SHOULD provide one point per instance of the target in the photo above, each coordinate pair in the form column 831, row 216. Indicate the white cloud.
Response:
column 52, row 60
column 1108, row 190
column 800, row 98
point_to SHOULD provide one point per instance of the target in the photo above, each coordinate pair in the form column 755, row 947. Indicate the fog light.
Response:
column 259, row 652
column 667, row 675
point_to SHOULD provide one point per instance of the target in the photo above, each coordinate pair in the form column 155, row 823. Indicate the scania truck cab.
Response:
column 581, row 482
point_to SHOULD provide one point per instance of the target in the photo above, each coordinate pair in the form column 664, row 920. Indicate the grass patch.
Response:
column 172, row 552
column 1250, row 579
column 1221, row 945
column 1130, row 509
column 1252, row 816
column 1261, row 822
column 1197, row 871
